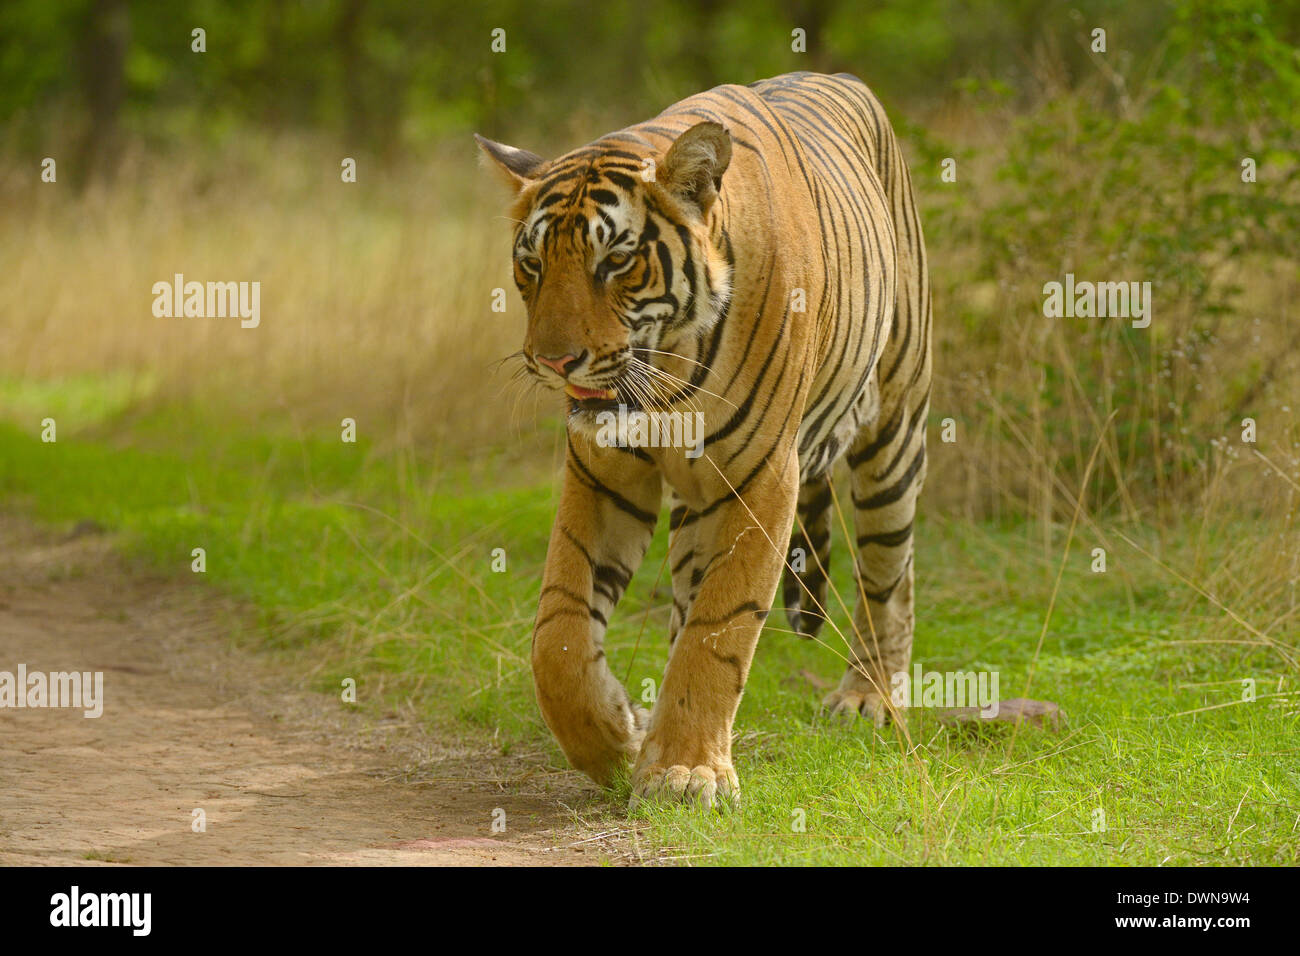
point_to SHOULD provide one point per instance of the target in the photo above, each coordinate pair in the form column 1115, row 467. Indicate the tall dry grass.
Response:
column 375, row 297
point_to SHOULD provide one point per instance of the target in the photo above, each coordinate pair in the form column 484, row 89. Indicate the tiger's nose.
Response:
column 564, row 364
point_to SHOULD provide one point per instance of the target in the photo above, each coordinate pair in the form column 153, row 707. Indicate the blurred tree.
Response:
column 347, row 39
column 813, row 16
column 103, row 34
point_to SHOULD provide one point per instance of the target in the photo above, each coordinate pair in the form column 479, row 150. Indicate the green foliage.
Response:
column 1138, row 176
column 377, row 73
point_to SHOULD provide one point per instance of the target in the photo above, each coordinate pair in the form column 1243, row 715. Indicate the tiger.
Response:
column 752, row 255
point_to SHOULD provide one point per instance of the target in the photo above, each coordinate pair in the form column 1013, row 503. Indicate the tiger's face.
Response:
column 616, row 266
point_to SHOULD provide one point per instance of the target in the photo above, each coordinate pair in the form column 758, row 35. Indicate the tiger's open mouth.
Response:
column 588, row 394
column 591, row 399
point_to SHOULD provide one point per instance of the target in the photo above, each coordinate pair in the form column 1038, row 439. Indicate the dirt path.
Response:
column 282, row 777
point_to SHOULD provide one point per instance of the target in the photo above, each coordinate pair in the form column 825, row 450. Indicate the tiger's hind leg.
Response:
column 887, row 460
column 888, row 468
column 808, row 559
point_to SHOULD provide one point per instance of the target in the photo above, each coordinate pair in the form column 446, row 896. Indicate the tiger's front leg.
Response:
column 604, row 523
column 739, row 555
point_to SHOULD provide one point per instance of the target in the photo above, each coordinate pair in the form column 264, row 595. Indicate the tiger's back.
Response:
column 849, row 156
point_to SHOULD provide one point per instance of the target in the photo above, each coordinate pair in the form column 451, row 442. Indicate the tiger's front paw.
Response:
column 601, row 743
column 707, row 785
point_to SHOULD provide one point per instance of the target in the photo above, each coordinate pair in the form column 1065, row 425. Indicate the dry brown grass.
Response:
column 376, row 296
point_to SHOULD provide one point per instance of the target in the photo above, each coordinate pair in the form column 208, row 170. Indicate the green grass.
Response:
column 375, row 564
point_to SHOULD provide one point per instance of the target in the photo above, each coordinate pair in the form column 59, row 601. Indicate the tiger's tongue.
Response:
column 582, row 394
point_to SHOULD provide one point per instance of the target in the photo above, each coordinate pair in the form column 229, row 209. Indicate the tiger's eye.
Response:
column 617, row 259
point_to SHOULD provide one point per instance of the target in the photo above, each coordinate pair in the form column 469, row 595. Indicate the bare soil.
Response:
column 191, row 721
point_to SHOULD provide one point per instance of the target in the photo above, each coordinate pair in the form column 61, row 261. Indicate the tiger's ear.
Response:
column 518, row 167
column 693, row 168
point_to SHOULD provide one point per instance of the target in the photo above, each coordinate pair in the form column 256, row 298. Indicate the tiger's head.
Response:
column 614, row 261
